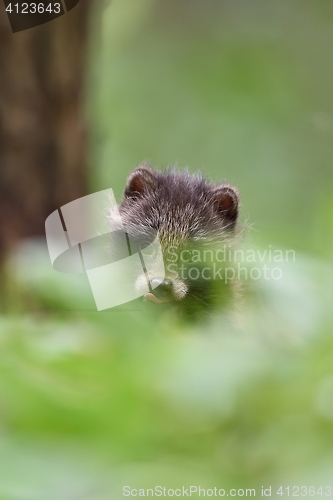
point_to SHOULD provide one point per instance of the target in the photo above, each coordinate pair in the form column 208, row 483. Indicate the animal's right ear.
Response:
column 141, row 180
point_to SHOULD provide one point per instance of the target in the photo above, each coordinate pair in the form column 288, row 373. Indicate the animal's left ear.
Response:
column 225, row 199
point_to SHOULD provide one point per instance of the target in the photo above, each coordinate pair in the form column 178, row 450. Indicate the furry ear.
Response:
column 226, row 203
column 142, row 179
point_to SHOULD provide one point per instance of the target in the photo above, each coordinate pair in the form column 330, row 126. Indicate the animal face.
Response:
column 193, row 220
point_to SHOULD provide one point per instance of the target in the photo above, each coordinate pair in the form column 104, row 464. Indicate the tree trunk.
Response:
column 42, row 133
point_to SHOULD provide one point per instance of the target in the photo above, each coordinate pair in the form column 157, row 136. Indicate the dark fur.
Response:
column 185, row 209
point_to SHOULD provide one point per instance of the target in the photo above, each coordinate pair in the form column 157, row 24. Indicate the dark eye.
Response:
column 140, row 242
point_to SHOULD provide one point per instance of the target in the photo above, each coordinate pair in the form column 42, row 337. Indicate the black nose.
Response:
column 161, row 288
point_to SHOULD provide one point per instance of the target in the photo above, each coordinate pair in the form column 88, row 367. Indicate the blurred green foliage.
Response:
column 91, row 402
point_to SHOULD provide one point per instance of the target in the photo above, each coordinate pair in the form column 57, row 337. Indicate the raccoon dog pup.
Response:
column 195, row 222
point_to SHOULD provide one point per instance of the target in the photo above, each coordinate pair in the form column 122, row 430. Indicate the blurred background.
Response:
column 91, row 402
